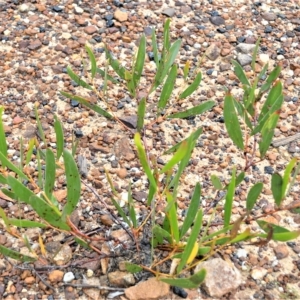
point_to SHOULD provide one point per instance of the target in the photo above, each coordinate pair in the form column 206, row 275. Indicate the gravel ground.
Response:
column 39, row 39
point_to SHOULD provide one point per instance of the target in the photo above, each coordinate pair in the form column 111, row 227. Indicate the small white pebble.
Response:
column 241, row 253
column 280, row 289
column 68, row 277
column 89, row 273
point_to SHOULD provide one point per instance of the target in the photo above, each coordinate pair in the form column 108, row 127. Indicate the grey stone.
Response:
column 245, row 48
column 221, row 278
column 269, row 16
column 244, row 59
column 216, row 20
column 213, row 52
column 169, row 12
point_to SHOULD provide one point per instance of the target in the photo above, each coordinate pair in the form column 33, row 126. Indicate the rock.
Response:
column 241, row 253
column 17, row 120
column 29, row 132
column 35, row 45
column 258, row 273
column 225, row 67
column 281, row 251
column 122, row 173
column 90, row 29
column 245, row 48
column 221, row 277
column 24, row 8
column 121, row 279
column 213, row 52
column 120, row 15
column 244, row 59
column 56, row 276
column 78, row 10
column 169, row 12
column 29, row 280
column 92, row 293
column 121, row 235
column 130, row 121
column 60, row 254
column 217, row 20
column 139, row 196
column 68, row 277
column 269, row 16
column 123, row 149
column 150, row 289
column 106, row 219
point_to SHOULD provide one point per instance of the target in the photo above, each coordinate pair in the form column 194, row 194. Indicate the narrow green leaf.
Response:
column 286, row 176
column 241, row 237
column 92, row 60
column 189, row 283
column 40, row 154
column 192, row 210
column 239, row 178
column 265, row 226
column 253, row 195
column 255, row 54
column 273, row 101
column 240, row 74
column 49, row 173
column 167, row 88
column 177, row 157
column 216, row 233
column 85, row 102
column 191, row 241
column 172, row 216
column 131, row 208
column 194, row 136
column 110, row 78
column 82, row 243
column 151, row 194
column 59, row 137
column 3, row 179
column 243, row 113
column 159, row 234
column 114, row 63
column 26, row 223
column 139, row 63
column 30, row 150
column 77, row 79
column 166, row 43
column 276, row 187
column 196, row 110
column 141, row 114
column 6, row 163
column 286, row 236
column 232, row 123
column 154, row 48
column 267, row 134
column 143, row 159
column 203, row 251
column 4, row 218
column 132, row 268
column 271, row 78
column 192, row 87
column 121, row 212
column 216, row 182
column 16, row 255
column 3, row 145
column 229, row 200
column 73, row 184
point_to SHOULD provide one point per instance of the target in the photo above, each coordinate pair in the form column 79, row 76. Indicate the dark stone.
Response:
column 214, row 13
column 120, row 105
column 297, row 29
column 200, row 27
column 114, row 164
column 229, row 27
column 180, row 292
column 268, row 170
column 290, row 33
column 57, row 8
column 221, row 30
column 280, row 51
column 268, row 29
column 241, row 39
column 117, row 3
column 148, row 31
column 110, row 23
column 109, row 17
column 151, row 56
column 78, row 133
column 139, row 196
column 74, row 103
column 42, row 29
column 97, row 38
column 209, row 71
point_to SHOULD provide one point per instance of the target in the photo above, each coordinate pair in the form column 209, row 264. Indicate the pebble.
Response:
column 121, row 279
column 169, row 12
column 68, row 277
column 213, row 52
column 56, row 276
column 217, row 20
column 258, row 273
column 244, row 59
column 245, row 48
column 121, row 16
column 241, row 253
column 281, row 251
